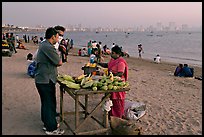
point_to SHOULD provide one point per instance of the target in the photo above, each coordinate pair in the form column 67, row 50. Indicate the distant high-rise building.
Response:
column 159, row 26
column 184, row 27
column 172, row 26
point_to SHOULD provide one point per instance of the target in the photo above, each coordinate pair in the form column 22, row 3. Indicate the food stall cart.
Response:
column 75, row 94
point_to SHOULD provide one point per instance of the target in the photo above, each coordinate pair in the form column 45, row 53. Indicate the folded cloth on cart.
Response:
column 134, row 110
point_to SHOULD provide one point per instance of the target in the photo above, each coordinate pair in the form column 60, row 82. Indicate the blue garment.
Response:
column 31, row 69
column 72, row 42
column 177, row 71
column 89, row 51
column 92, row 58
column 187, row 72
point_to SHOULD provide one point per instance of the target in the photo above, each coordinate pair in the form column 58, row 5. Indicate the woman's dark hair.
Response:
column 181, row 65
column 93, row 50
column 185, row 65
column 117, row 50
column 50, row 32
column 63, row 40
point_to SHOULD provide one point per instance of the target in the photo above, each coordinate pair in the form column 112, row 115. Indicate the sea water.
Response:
column 177, row 47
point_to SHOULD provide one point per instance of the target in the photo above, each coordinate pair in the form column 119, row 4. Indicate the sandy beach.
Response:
column 173, row 104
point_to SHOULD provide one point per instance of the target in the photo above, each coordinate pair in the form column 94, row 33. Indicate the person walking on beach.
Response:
column 47, row 61
column 71, row 43
column 140, row 50
column 118, row 67
column 28, row 39
column 89, row 46
column 11, row 41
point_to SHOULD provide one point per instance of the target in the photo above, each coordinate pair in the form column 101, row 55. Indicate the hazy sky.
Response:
column 103, row 14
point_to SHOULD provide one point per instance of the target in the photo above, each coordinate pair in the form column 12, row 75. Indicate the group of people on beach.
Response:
column 47, row 61
column 10, row 39
column 183, row 70
column 14, row 41
column 97, row 52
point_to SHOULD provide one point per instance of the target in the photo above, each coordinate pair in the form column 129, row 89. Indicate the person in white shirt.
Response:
column 157, row 59
column 84, row 52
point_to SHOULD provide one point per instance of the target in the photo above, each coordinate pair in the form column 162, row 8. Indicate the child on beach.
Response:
column 157, row 59
column 31, row 65
column 30, row 57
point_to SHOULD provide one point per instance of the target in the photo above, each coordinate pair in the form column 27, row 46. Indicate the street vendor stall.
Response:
column 88, row 114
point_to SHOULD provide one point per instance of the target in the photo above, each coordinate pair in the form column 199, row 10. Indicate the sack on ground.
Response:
column 121, row 126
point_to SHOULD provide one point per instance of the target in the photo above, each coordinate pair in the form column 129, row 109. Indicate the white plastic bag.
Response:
column 107, row 105
column 134, row 110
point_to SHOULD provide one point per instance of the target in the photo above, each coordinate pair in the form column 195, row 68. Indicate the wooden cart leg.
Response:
column 76, row 111
column 106, row 121
column 86, row 105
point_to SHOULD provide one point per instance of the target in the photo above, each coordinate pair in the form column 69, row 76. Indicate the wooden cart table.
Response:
column 88, row 115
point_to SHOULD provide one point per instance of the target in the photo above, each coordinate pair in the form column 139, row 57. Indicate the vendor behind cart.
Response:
column 119, row 67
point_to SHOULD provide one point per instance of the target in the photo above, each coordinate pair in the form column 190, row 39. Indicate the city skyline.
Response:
column 102, row 14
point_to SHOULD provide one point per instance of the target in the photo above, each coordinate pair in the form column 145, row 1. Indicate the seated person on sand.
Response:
column 178, row 70
column 79, row 52
column 157, row 59
column 84, row 52
column 21, row 46
column 31, row 65
column 188, row 71
column 30, row 58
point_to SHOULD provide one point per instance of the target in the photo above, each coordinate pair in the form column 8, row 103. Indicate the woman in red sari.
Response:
column 119, row 67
